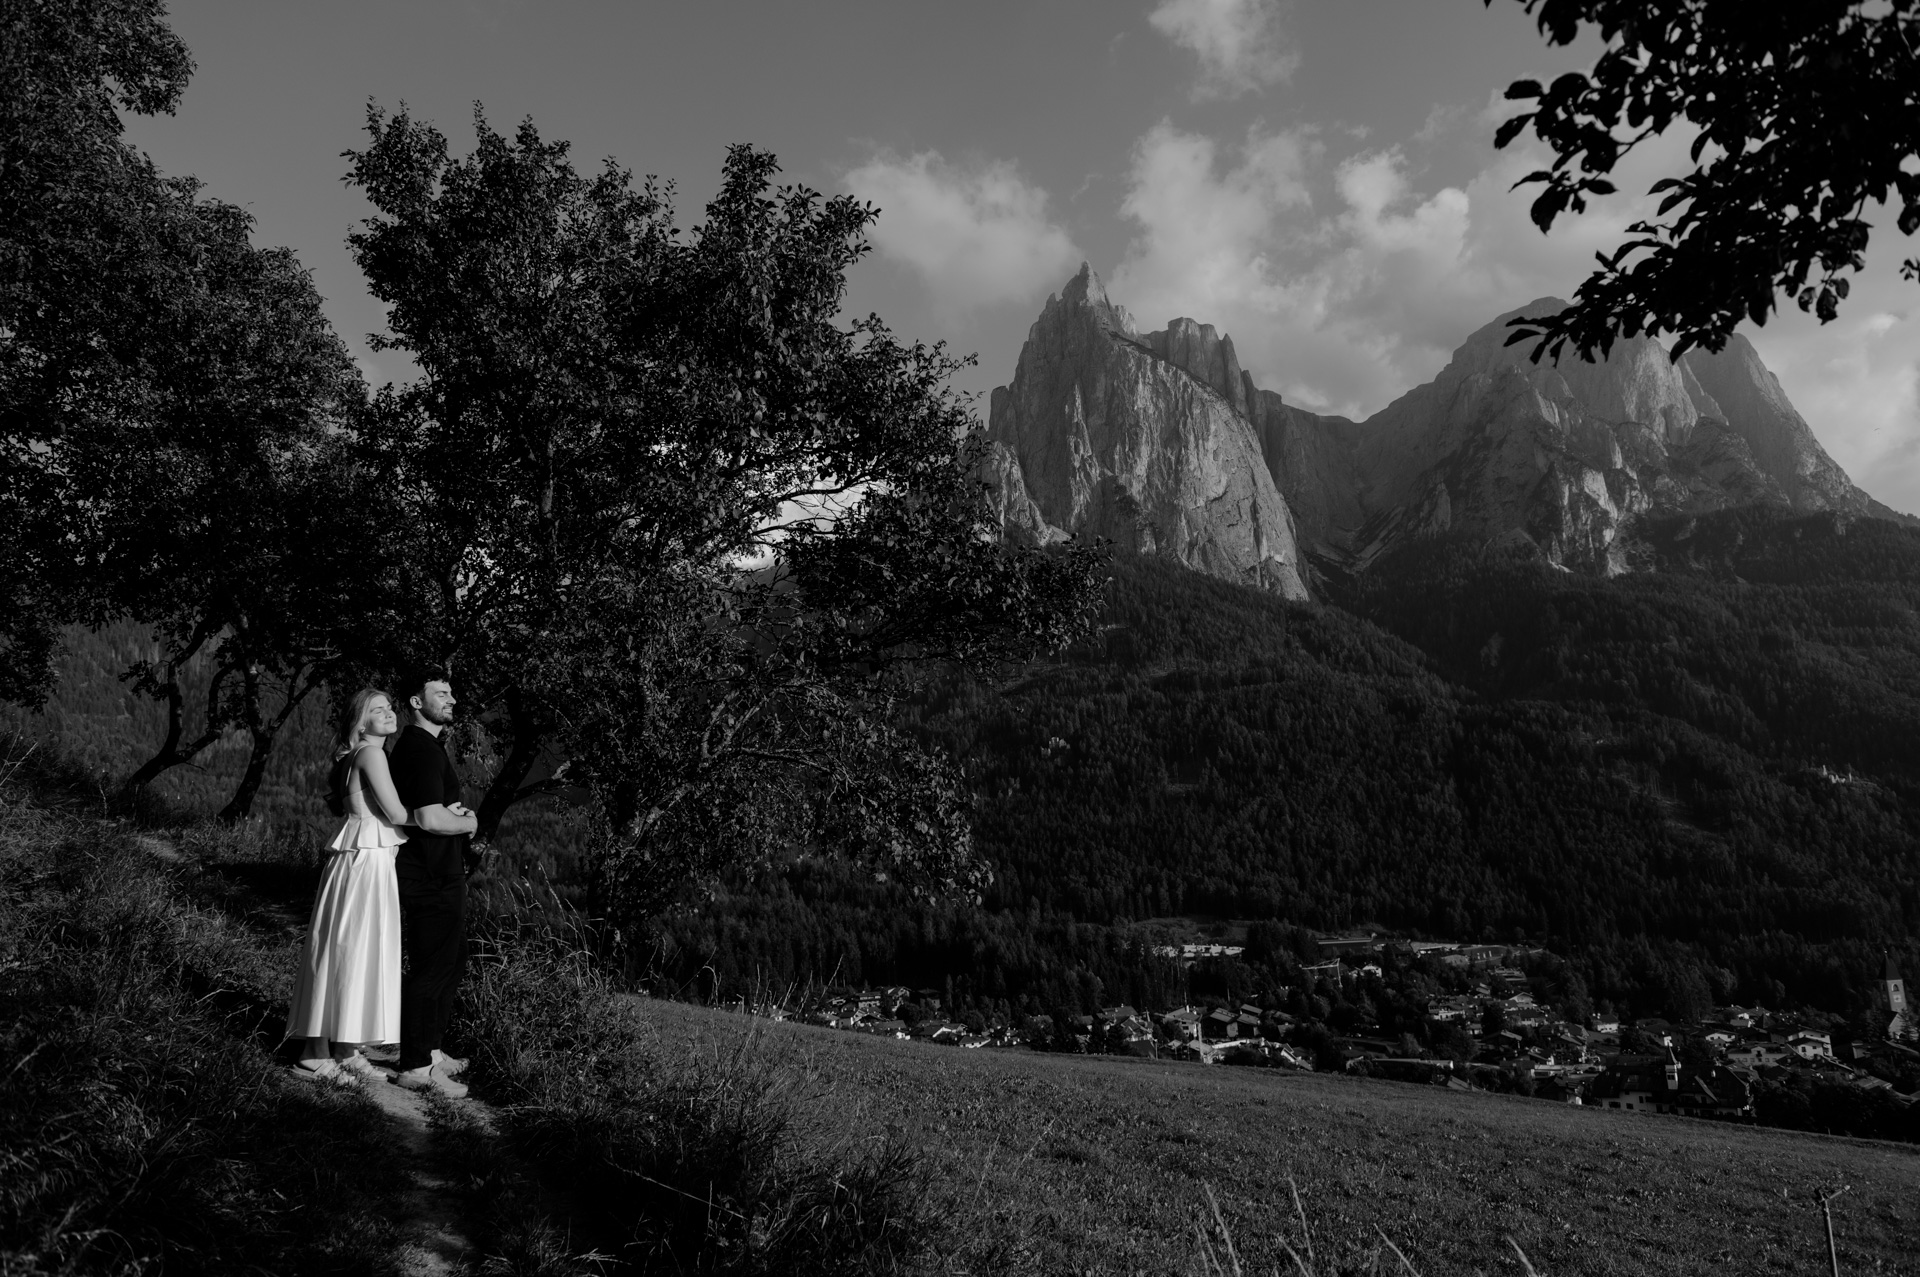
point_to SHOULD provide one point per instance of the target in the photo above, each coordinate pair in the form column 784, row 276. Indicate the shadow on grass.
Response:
column 143, row 1125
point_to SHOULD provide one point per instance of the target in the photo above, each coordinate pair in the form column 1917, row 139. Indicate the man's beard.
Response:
column 438, row 717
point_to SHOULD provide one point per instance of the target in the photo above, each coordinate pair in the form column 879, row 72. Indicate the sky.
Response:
column 1316, row 178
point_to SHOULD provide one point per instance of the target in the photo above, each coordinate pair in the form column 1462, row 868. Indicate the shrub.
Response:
column 697, row 1165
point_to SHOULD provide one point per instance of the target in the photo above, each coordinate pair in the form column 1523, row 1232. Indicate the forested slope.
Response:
column 1698, row 781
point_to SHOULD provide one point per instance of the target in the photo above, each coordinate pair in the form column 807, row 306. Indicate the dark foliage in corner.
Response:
column 1805, row 114
column 169, row 394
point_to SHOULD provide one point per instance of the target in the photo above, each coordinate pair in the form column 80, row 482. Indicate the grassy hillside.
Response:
column 143, row 979
column 1067, row 1164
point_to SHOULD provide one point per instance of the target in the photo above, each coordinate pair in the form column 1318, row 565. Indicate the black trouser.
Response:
column 433, row 934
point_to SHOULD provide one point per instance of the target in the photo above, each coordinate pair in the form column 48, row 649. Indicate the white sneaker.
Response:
column 450, row 1066
column 429, row 1078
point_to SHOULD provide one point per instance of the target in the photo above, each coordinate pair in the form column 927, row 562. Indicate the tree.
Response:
column 170, row 396
column 223, row 514
column 1804, row 112
column 81, row 215
column 681, row 535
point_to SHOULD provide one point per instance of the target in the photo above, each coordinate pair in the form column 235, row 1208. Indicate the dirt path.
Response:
column 433, row 1234
column 433, row 1237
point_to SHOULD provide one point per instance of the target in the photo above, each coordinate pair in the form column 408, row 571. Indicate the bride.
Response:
column 347, row 990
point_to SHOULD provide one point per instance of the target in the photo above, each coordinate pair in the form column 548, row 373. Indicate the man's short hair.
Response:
column 417, row 678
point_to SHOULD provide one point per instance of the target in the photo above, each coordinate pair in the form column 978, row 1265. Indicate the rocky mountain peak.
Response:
column 1099, row 434
column 1163, row 443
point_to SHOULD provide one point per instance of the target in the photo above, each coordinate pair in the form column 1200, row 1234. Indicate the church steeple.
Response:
column 1894, row 990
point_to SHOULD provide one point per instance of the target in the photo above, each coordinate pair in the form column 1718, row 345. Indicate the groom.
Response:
column 431, row 867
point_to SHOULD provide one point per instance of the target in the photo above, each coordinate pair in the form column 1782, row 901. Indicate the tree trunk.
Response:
column 240, row 806
column 264, row 732
column 170, row 754
column 529, row 736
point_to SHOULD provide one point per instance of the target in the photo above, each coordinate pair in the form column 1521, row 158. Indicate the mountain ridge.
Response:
column 1163, row 443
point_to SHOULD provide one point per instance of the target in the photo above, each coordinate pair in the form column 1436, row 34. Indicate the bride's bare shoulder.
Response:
column 371, row 758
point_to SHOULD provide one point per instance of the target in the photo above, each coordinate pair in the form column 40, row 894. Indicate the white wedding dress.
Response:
column 347, row 987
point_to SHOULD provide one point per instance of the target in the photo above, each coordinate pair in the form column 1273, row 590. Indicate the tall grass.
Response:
column 142, row 1126
column 1214, row 1254
column 674, row 1164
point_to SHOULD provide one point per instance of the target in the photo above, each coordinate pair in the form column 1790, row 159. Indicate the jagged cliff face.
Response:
column 1565, row 456
column 1162, row 442
column 1099, row 434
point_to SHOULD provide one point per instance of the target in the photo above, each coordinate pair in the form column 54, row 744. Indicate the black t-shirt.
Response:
column 423, row 775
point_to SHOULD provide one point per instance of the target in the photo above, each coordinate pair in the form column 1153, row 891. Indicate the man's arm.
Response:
column 437, row 818
column 419, row 769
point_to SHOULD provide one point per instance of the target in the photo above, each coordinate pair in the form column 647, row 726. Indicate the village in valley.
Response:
column 1468, row 1017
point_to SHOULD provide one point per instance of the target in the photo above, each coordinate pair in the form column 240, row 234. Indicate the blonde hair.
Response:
column 347, row 740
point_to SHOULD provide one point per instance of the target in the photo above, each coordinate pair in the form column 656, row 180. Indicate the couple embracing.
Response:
column 383, row 957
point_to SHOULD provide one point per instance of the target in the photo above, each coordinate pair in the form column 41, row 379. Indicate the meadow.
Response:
column 1046, row 1163
column 871, row 1154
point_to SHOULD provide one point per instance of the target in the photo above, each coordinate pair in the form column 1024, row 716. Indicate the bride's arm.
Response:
column 376, row 779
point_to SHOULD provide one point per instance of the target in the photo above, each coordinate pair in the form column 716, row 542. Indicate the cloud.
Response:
column 1238, row 42
column 1857, row 379
column 1342, row 283
column 976, row 236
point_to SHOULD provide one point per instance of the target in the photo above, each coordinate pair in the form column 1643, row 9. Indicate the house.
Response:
column 1809, row 1045
column 1636, row 1083
column 1220, row 1023
column 1755, row 1055
column 1191, row 953
column 1181, row 1025
column 1336, row 946
column 1661, row 1084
